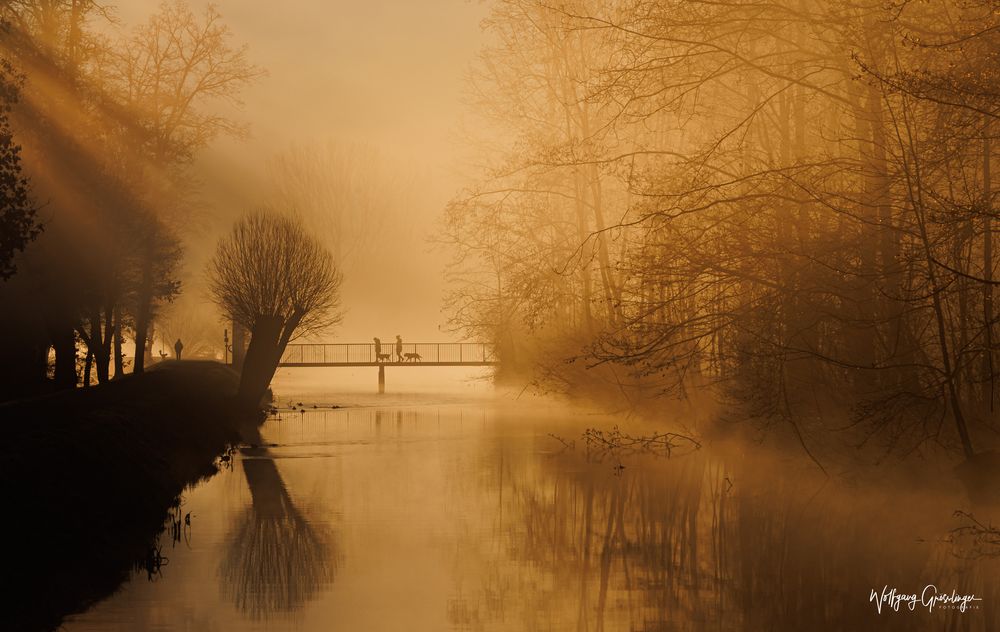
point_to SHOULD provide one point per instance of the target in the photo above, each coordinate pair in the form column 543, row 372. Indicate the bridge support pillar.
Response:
column 381, row 378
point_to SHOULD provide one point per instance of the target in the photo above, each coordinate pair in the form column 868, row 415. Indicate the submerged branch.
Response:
column 620, row 443
column 978, row 539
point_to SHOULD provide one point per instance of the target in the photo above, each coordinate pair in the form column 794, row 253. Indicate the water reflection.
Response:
column 475, row 518
column 275, row 559
column 709, row 543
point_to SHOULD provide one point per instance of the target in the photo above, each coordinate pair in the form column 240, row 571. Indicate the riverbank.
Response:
column 89, row 476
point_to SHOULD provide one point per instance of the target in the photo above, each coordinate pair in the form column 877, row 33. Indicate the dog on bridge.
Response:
column 411, row 357
column 385, row 357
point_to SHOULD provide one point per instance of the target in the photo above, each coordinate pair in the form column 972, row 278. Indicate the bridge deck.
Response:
column 376, row 364
column 411, row 354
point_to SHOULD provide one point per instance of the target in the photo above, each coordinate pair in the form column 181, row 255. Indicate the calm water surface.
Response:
column 443, row 515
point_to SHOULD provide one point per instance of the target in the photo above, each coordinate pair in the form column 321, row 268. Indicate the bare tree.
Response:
column 780, row 201
column 347, row 194
column 171, row 75
column 171, row 69
column 279, row 282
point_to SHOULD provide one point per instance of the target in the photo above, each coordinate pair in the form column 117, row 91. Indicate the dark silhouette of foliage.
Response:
column 18, row 215
column 110, row 129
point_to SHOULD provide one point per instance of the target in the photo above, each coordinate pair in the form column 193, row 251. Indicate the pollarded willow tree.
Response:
column 278, row 282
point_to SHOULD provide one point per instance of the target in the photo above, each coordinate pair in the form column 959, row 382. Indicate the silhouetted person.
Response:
column 399, row 348
column 378, row 350
column 178, row 347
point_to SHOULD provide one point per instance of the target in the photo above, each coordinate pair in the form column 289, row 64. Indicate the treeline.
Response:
column 784, row 199
column 105, row 124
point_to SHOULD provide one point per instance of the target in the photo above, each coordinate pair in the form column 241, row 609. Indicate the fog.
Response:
column 382, row 78
column 785, row 212
column 500, row 314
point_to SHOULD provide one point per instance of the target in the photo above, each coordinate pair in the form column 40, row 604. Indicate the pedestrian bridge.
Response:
column 413, row 354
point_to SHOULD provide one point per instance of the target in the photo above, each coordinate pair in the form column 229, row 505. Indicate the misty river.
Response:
column 463, row 512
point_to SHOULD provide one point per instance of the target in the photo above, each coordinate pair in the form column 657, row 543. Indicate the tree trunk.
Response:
column 142, row 315
column 64, row 344
column 864, row 336
column 260, row 362
column 86, row 368
column 788, row 276
column 268, row 341
column 949, row 389
column 73, row 48
column 239, row 345
column 150, row 341
column 109, row 334
column 286, row 334
column 119, row 360
column 900, row 342
column 100, row 358
column 989, row 379
column 582, row 234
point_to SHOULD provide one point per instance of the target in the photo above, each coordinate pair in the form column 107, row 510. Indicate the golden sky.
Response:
column 385, row 73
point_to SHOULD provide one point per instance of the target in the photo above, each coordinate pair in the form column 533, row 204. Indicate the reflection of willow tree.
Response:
column 276, row 560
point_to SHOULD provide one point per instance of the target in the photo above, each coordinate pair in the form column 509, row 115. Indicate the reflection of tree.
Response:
column 276, row 560
column 696, row 544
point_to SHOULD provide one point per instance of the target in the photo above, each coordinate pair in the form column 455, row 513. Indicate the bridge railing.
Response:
column 364, row 353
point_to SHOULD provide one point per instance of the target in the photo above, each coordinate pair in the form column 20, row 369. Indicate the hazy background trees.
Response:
column 789, row 201
column 346, row 194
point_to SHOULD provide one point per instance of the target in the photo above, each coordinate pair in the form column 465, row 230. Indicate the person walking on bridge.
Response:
column 399, row 348
column 378, row 349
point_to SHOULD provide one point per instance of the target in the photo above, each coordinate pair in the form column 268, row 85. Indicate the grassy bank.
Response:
column 89, row 475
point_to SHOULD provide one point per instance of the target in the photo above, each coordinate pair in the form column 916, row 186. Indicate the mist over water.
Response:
column 459, row 512
column 404, row 385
